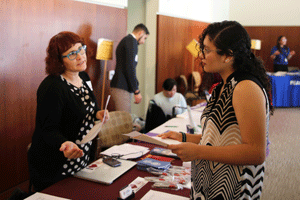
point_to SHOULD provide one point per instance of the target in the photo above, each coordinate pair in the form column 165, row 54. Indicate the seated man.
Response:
column 169, row 98
column 162, row 105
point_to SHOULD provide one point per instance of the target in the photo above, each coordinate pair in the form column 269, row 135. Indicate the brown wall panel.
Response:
column 26, row 28
column 173, row 34
column 173, row 59
column 268, row 36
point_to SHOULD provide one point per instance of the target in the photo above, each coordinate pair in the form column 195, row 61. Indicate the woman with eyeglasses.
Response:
column 281, row 54
column 66, row 111
column 228, row 158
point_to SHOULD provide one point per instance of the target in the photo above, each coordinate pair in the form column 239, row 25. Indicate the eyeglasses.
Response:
column 207, row 51
column 73, row 54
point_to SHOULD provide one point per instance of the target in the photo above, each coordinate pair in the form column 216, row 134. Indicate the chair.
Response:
column 174, row 113
column 112, row 131
column 155, row 116
column 197, row 82
column 30, row 187
column 188, row 94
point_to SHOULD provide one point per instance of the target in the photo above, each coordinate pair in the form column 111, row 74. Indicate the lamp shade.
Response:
column 193, row 47
column 104, row 49
column 255, row 44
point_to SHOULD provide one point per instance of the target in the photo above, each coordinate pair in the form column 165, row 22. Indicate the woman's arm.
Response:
column 178, row 136
column 50, row 103
column 291, row 54
column 276, row 53
column 250, row 108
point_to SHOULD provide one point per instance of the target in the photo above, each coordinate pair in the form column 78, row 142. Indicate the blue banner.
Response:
column 286, row 90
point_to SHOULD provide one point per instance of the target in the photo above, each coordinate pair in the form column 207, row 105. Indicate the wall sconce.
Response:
column 193, row 47
column 255, row 45
column 104, row 52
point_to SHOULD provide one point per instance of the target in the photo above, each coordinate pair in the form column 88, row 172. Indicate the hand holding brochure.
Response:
column 96, row 129
column 163, row 152
column 154, row 140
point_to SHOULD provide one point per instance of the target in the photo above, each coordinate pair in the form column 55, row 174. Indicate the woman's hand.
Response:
column 137, row 98
column 71, row 150
column 276, row 53
column 292, row 53
column 172, row 135
column 100, row 115
column 186, row 151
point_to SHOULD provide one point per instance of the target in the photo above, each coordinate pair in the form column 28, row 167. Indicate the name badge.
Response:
column 136, row 58
column 89, row 83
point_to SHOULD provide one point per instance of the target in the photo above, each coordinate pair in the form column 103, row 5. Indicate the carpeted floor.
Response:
column 282, row 175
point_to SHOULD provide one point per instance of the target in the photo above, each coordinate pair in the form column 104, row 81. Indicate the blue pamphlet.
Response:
column 149, row 162
column 163, row 152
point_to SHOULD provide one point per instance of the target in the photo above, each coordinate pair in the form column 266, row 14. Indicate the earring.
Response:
column 227, row 60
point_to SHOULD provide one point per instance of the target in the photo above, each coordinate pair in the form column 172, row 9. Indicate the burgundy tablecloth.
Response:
column 75, row 188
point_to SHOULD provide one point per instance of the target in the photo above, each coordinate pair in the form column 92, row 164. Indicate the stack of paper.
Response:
column 152, row 194
column 42, row 196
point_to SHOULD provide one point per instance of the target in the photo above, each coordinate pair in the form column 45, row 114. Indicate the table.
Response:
column 180, row 121
column 285, row 90
column 75, row 188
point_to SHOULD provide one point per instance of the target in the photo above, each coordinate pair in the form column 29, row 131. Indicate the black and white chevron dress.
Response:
column 213, row 180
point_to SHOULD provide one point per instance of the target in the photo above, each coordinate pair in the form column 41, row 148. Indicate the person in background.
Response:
column 281, row 54
column 124, row 83
column 66, row 111
column 169, row 98
column 228, row 158
column 164, row 105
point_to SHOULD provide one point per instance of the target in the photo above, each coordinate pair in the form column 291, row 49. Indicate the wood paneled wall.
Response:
column 173, row 34
column 173, row 59
column 26, row 28
column 268, row 36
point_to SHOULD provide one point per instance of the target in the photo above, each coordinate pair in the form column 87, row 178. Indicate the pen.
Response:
column 172, row 126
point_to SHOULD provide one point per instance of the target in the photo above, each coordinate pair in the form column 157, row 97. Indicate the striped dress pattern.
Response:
column 214, row 180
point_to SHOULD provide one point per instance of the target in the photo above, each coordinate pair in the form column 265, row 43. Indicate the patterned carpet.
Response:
column 282, row 176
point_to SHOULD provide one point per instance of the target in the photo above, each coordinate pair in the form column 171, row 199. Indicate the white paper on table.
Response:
column 174, row 124
column 184, row 115
column 199, row 109
column 196, row 114
column 152, row 194
column 96, row 129
column 41, row 196
column 129, row 151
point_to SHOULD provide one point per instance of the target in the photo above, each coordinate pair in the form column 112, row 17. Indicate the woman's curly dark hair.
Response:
column 59, row 44
column 231, row 38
